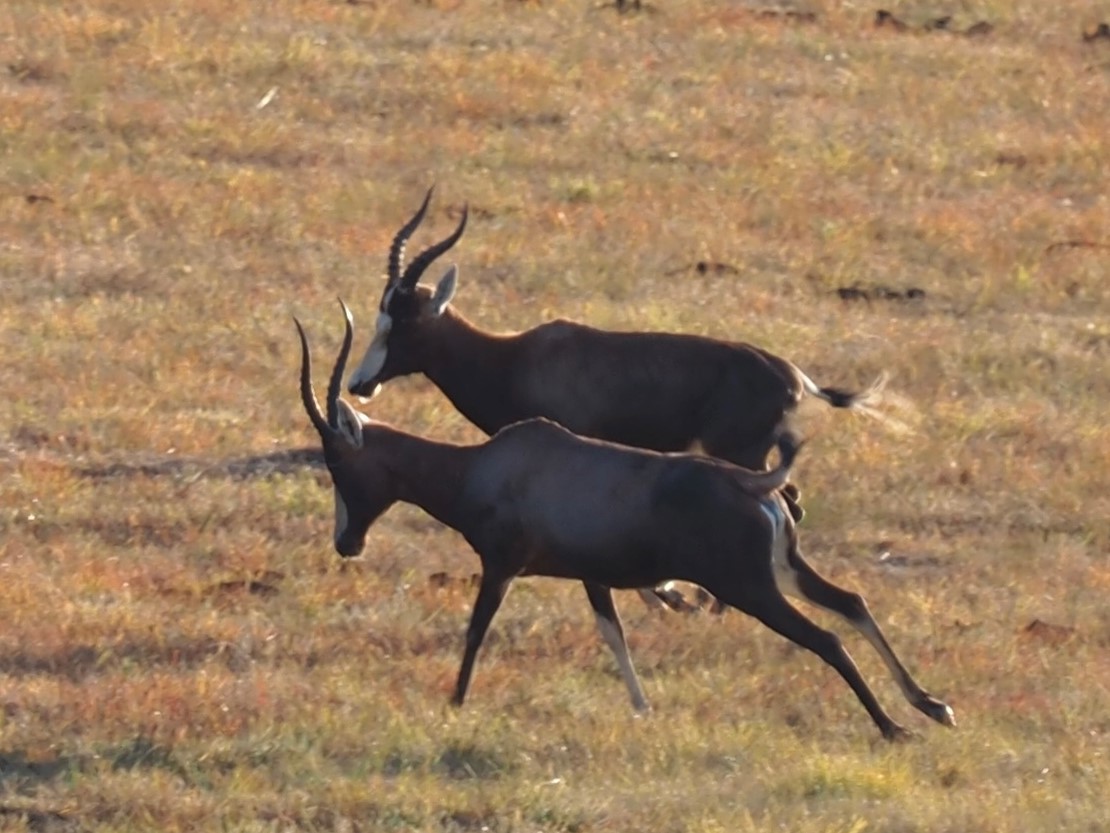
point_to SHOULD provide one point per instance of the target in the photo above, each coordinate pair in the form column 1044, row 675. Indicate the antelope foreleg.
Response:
column 490, row 594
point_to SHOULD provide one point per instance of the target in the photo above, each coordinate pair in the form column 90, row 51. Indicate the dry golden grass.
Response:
column 179, row 647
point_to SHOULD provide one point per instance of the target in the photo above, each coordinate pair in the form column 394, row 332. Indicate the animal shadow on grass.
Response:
column 79, row 662
column 20, row 773
column 250, row 467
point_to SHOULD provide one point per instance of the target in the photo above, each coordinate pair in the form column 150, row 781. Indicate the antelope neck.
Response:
column 429, row 474
column 473, row 369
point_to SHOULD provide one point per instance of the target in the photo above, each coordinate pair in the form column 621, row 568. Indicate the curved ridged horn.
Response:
column 425, row 258
column 336, row 382
column 397, row 248
column 308, row 395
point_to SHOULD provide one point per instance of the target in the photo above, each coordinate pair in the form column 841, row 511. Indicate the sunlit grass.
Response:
column 180, row 648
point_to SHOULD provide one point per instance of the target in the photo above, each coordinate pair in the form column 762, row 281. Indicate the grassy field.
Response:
column 181, row 649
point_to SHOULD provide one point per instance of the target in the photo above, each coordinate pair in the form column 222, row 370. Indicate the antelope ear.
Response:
column 445, row 290
column 349, row 423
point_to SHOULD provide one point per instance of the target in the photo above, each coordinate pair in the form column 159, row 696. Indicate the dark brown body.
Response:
column 661, row 391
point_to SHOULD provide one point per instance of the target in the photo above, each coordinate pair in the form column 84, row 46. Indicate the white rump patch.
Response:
column 374, row 359
column 780, row 543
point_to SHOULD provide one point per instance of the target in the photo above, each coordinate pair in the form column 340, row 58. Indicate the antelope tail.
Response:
column 840, row 398
column 863, row 402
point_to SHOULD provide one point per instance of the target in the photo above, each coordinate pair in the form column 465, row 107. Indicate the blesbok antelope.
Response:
column 660, row 391
column 536, row 499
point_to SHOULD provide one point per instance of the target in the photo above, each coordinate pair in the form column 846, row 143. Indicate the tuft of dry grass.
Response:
column 179, row 647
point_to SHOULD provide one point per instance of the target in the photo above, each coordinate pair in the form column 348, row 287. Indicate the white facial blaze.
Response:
column 340, row 517
column 374, row 360
column 784, row 573
column 387, row 299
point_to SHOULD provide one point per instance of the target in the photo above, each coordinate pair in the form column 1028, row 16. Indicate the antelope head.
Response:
column 407, row 312
column 362, row 484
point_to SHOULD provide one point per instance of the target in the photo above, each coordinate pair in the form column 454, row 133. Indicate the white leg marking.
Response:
column 616, row 644
column 666, row 597
column 648, row 597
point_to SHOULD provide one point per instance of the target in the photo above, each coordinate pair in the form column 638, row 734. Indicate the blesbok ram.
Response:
column 536, row 499
column 655, row 390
